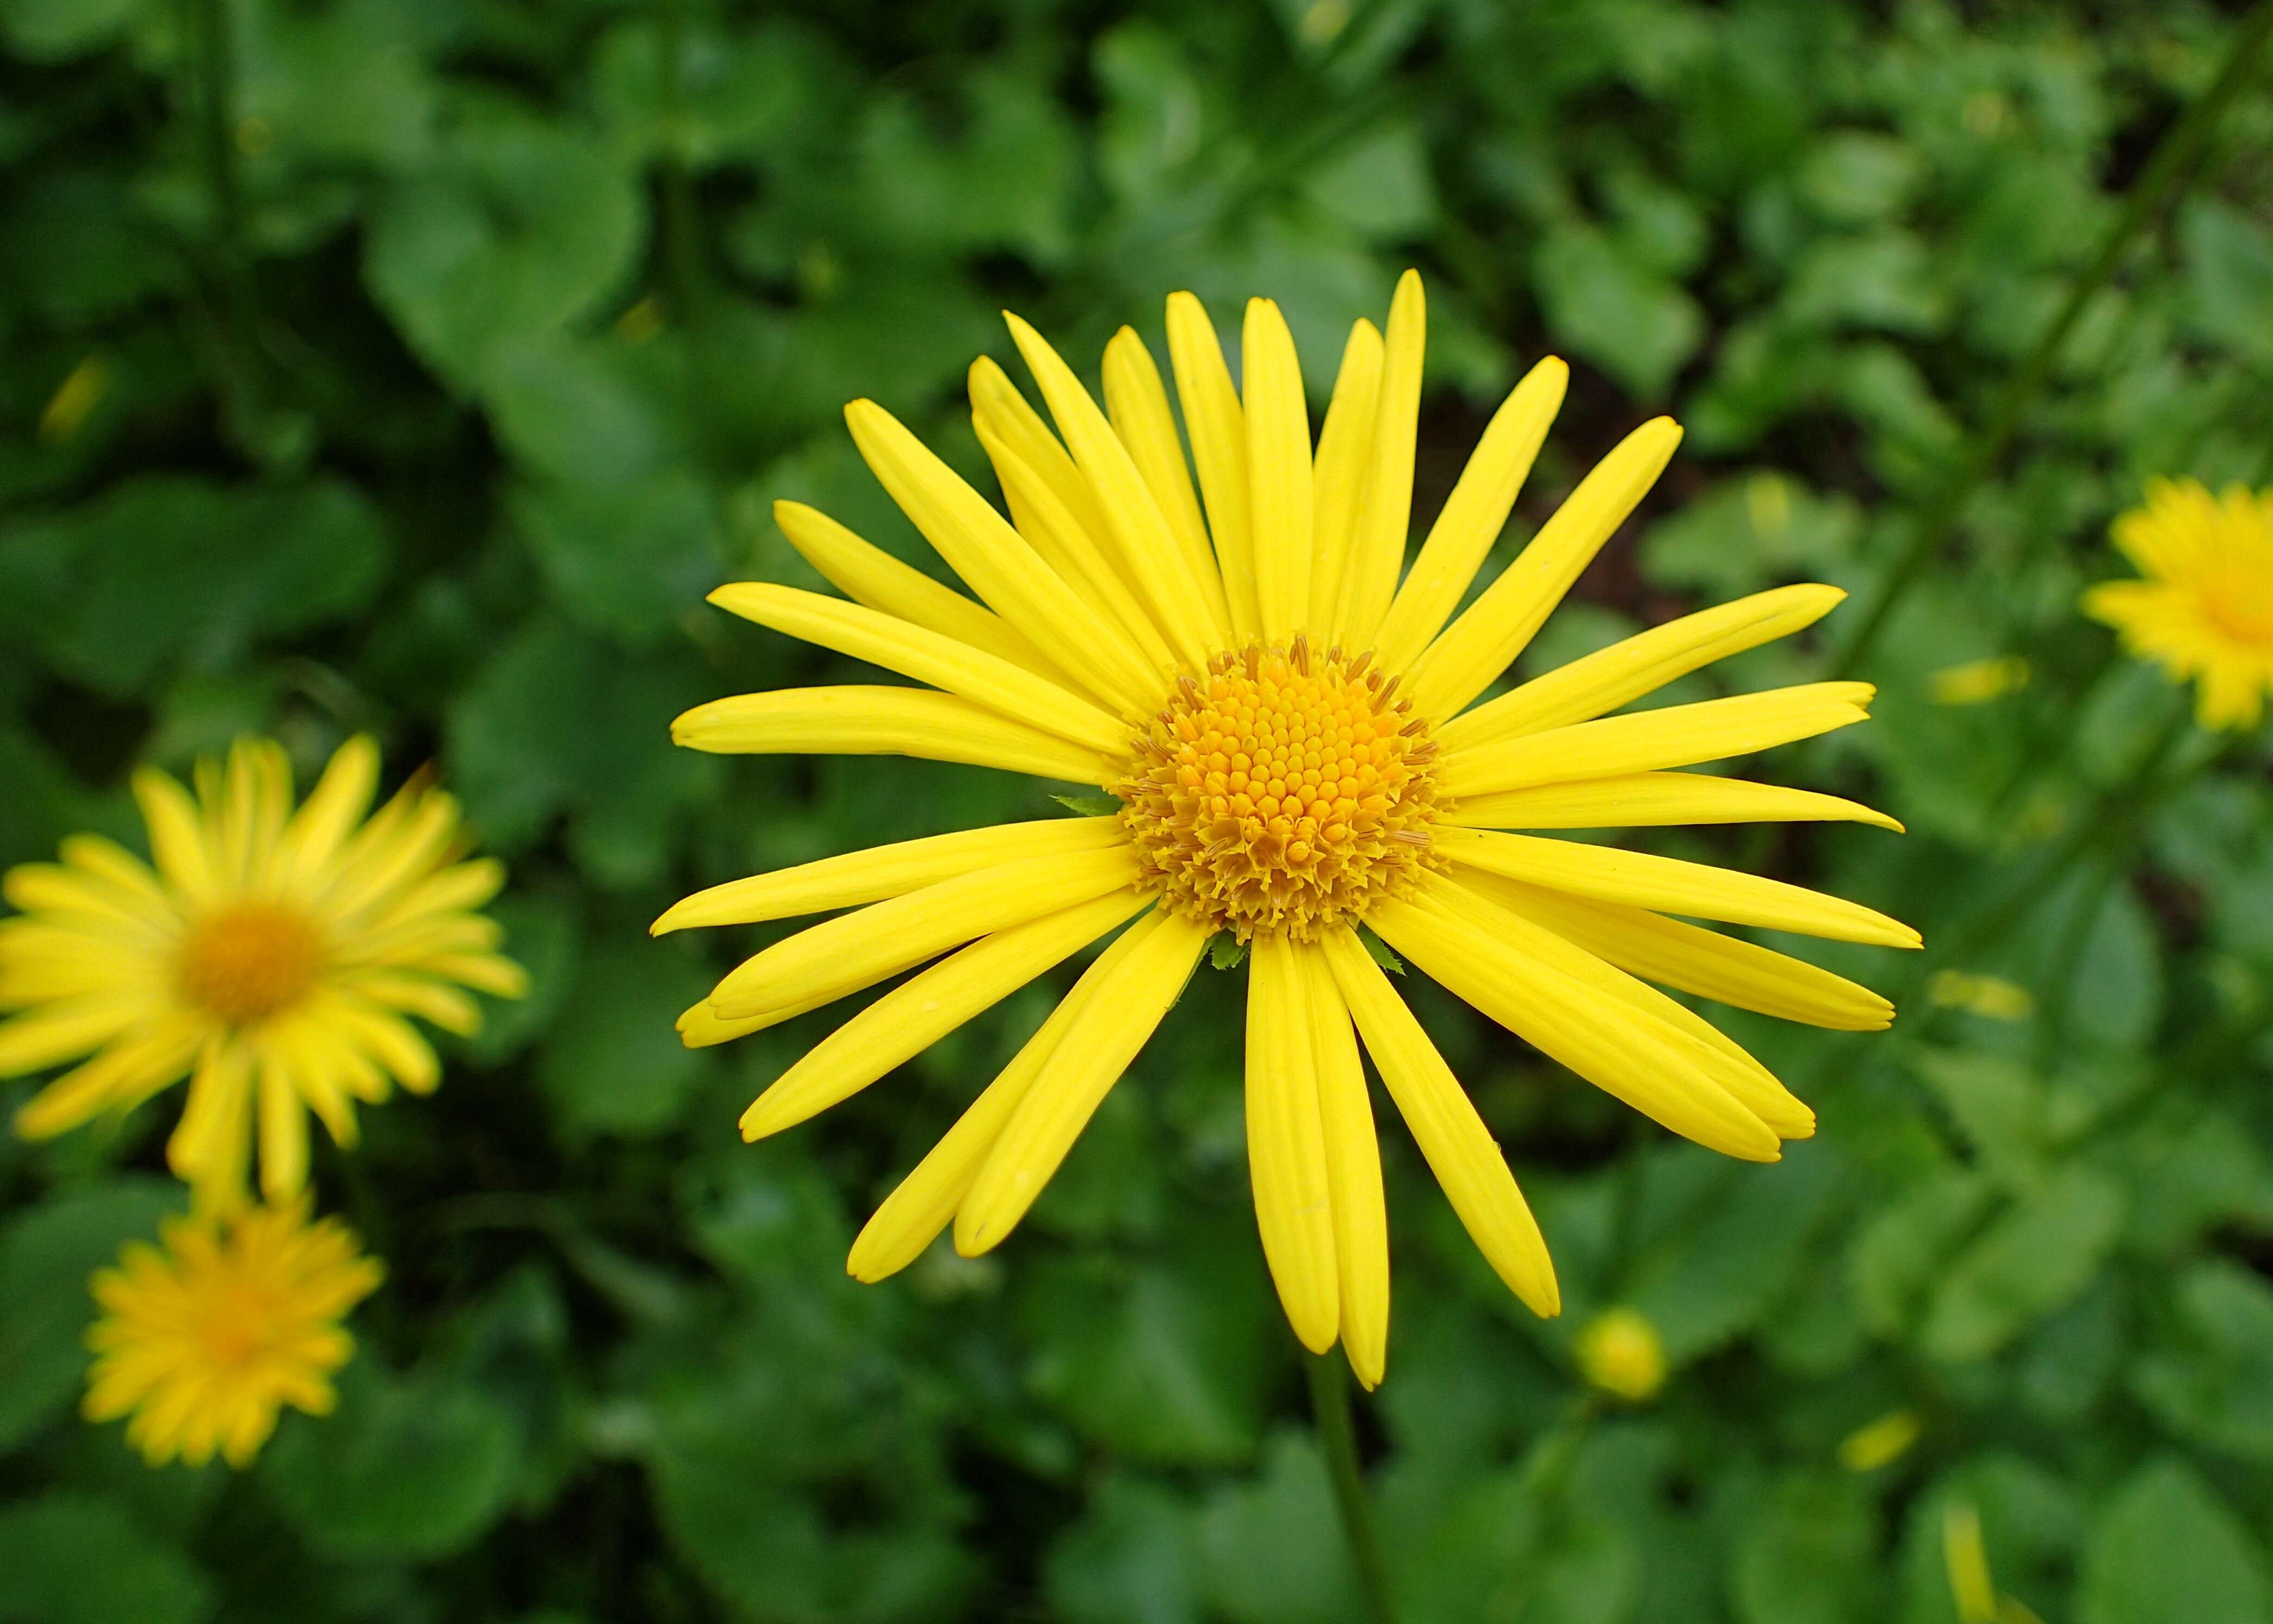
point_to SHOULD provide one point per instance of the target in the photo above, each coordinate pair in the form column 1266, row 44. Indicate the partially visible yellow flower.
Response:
column 271, row 957
column 2204, row 609
column 203, row 1342
column 1991, row 997
column 1882, row 1443
column 1620, row 1353
column 1976, row 682
column 1293, row 726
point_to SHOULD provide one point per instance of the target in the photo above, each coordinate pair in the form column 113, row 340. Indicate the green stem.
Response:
column 2161, row 183
column 1330, row 1408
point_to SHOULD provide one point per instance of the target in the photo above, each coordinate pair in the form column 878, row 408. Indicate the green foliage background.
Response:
column 425, row 382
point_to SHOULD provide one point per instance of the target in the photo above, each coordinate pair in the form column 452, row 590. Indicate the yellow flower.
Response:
column 2205, row 608
column 1619, row 1352
column 202, row 1342
column 271, row 957
column 1976, row 682
column 1291, row 737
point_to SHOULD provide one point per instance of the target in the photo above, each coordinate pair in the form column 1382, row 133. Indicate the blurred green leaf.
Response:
column 613, row 1062
column 2166, row 1547
column 1272, row 1551
column 2031, row 1260
column 73, row 1558
column 1131, row 1559
column 1614, row 310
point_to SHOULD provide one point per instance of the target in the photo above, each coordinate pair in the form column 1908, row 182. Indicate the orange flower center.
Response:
column 240, row 1325
column 1283, row 791
column 247, row 962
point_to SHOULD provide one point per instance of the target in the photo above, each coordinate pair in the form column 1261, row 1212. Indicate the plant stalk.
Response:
column 2159, row 185
column 1329, row 1409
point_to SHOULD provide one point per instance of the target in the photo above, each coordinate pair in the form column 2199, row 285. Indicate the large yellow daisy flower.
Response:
column 203, row 1342
column 2204, row 610
column 272, row 958
column 1290, row 734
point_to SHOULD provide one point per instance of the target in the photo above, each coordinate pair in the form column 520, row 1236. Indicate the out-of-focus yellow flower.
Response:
column 1880, row 1443
column 273, row 956
column 74, row 400
column 1620, row 1353
column 203, row 1342
column 2203, row 606
column 1991, row 997
column 1976, row 682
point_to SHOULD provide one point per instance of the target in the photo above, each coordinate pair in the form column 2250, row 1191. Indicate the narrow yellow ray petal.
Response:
column 1454, row 1142
column 1671, row 886
column 1473, row 516
column 1216, row 425
column 63, row 1030
column 330, row 813
column 1141, row 531
column 87, row 903
column 703, row 1026
column 284, row 1131
column 120, row 1075
column 1338, row 478
column 1696, row 1039
column 884, row 721
column 432, row 1001
column 925, row 1202
column 1077, row 554
column 1377, row 553
column 999, row 564
column 1285, row 1144
column 1096, row 1048
column 1136, row 402
column 111, row 865
column 927, row 656
column 994, row 397
column 214, row 1132
column 1647, row 741
column 925, row 1008
column 1695, row 960
column 1640, row 664
column 178, row 844
column 1651, row 800
column 1352, row 1175
column 1475, row 649
column 1278, row 470
column 1597, row 1036
column 855, row 950
column 867, row 575
column 883, row 872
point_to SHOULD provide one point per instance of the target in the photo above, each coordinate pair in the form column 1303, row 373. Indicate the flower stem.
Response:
column 2160, row 184
column 1329, row 1409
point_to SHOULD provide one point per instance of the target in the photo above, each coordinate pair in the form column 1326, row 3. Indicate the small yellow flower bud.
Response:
column 1619, row 1353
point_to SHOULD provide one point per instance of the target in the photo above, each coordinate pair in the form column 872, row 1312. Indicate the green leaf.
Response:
column 1380, row 952
column 48, row 1253
column 1805, row 1558
column 2214, row 1383
column 2033, row 1258
column 1133, row 1559
column 2167, row 1549
column 1272, row 1549
column 1629, row 320
column 55, row 30
column 1227, row 951
column 407, row 1468
column 1089, row 805
column 630, row 561
column 76, row 1558
column 613, row 1062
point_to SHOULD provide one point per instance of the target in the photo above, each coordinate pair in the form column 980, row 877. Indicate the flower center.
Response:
column 1282, row 792
column 248, row 961
column 240, row 1324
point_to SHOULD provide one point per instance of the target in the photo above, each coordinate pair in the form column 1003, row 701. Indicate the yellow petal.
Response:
column 1458, row 1147
column 1020, row 427
column 178, row 844
column 213, row 1137
column 867, row 575
column 1652, row 800
column 1137, row 404
column 1338, row 479
column 1277, row 471
column 284, row 1131
column 1702, row 961
column 1470, row 655
column 925, row 1202
column 1216, row 424
column 1096, row 1048
column 60, row 1030
column 927, row 656
column 999, row 564
column 1286, row 1142
column 1597, row 1036
column 884, row 721
column 128, row 1071
column 1670, row 886
column 126, row 876
column 1377, row 552
column 1352, row 1175
column 1640, row 664
column 1137, row 525
column 1473, row 516
column 1077, row 553
column 1696, row 1039
column 856, row 950
column 1648, row 740
column 923, row 1009
column 881, row 871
